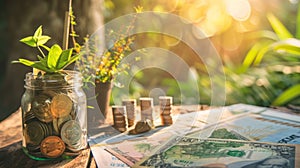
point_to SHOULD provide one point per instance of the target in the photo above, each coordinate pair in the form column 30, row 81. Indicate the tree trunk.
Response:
column 22, row 18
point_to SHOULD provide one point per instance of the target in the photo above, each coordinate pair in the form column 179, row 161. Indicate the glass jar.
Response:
column 54, row 118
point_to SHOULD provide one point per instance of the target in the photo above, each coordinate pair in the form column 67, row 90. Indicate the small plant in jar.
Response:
column 54, row 105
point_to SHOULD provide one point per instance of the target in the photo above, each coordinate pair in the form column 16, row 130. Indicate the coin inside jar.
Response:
column 61, row 105
column 58, row 122
column 41, row 108
column 71, row 133
column 35, row 132
column 52, row 147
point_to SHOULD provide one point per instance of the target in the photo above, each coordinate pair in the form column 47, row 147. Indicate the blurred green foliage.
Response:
column 261, row 60
column 281, row 84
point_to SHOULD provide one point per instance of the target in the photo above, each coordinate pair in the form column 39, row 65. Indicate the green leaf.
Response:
column 42, row 40
column 278, row 27
column 288, row 95
column 290, row 46
column 43, row 60
column 53, row 56
column 40, row 66
column 29, row 41
column 255, row 54
column 261, row 54
column 45, row 47
column 64, row 58
column 37, row 65
column 73, row 59
column 38, row 32
column 24, row 61
column 251, row 55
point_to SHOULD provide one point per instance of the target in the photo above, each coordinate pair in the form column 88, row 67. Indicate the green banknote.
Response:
column 221, row 153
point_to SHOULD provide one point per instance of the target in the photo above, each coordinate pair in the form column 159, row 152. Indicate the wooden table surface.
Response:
column 11, row 154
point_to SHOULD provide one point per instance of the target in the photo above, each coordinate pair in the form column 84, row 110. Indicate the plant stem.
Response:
column 41, row 51
column 67, row 27
column 72, row 28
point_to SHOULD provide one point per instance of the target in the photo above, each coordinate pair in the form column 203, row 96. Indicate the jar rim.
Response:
column 63, row 79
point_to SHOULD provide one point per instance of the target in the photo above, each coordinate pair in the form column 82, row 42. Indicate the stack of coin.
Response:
column 119, row 117
column 36, row 131
column 130, row 105
column 29, row 116
column 146, row 104
column 165, row 103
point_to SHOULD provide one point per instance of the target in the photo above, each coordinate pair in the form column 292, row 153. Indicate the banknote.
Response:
column 132, row 148
column 256, row 127
column 220, row 153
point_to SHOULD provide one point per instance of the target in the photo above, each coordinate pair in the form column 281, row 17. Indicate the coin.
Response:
column 146, row 101
column 130, row 105
column 167, row 123
column 120, row 121
column 142, row 126
column 41, row 108
column 120, row 124
column 166, row 120
column 29, row 116
column 71, row 133
column 165, row 108
column 58, row 122
column 119, row 110
column 165, row 112
column 148, row 110
column 62, row 120
column 132, row 132
column 35, row 132
column 75, row 148
column 52, row 147
column 119, row 117
column 130, row 122
column 165, row 100
column 61, row 105
column 166, row 117
column 47, row 128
